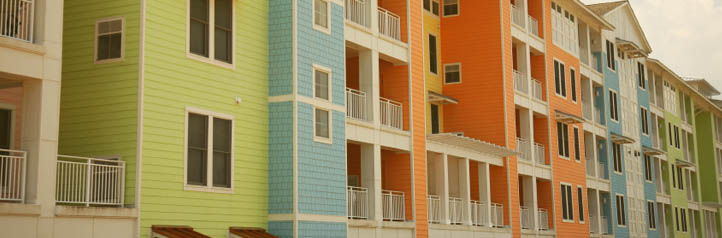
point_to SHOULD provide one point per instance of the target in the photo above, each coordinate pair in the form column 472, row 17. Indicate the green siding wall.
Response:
column 707, row 156
column 99, row 102
column 173, row 82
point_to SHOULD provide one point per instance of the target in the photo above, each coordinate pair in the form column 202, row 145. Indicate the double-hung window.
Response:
column 452, row 73
column 580, row 203
column 209, row 150
column 611, row 64
column 109, row 40
column 322, row 125
column 621, row 211
column 647, row 168
column 676, row 217
column 433, row 61
column 573, row 80
column 563, row 139
column 321, row 83
column 577, row 152
column 651, row 218
column 451, row 8
column 683, row 215
column 321, row 15
column 432, row 6
column 640, row 76
column 674, row 176
column 210, row 32
column 676, row 137
column 644, row 118
column 613, row 106
column 617, row 156
column 680, row 178
column 560, row 83
column 567, row 206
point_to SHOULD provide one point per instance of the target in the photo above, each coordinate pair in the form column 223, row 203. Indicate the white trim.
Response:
column 211, row 36
column 320, row 139
column 209, row 158
column 572, row 201
column 444, row 77
column 458, row 9
column 436, row 46
column 139, row 126
column 122, row 40
column 329, row 81
column 647, row 121
column 317, row 27
column 561, row 72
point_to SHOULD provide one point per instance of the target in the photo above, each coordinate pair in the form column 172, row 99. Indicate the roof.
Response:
column 713, row 103
column 175, row 232
column 631, row 48
column 441, row 98
column 467, row 147
column 703, row 87
column 602, row 9
column 592, row 15
column 250, row 232
column 605, row 7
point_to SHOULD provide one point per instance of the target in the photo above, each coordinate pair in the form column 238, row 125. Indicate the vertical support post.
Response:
column 465, row 189
column 445, row 189
column 371, row 179
column 369, row 82
column 87, row 183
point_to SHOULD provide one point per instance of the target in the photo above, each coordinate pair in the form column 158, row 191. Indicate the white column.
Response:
column 465, row 189
column 535, row 203
column 371, row 179
column 599, row 210
column 373, row 6
column 485, row 190
column 524, row 63
column 444, row 196
column 369, row 82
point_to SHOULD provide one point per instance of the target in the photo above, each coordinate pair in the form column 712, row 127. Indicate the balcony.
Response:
column 479, row 214
column 591, row 170
column 536, row 90
column 602, row 172
column 357, row 11
column 533, row 26
column 389, row 24
column 90, row 181
column 356, row 105
column 517, row 16
column 520, row 83
column 392, row 113
column 394, row 205
column 357, row 203
column 539, row 155
column 527, row 217
column 456, row 211
column 497, row 215
column 587, row 111
column 522, row 146
column 543, row 219
column 16, row 17
column 13, row 165
column 604, row 228
column 433, row 209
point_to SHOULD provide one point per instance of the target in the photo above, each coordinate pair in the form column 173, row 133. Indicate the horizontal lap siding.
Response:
column 417, row 96
column 99, row 102
column 174, row 82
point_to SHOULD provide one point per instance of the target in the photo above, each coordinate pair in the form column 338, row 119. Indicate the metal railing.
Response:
column 479, row 213
column 591, row 170
column 13, row 166
column 536, row 90
column 517, row 15
column 356, row 104
column 394, row 206
column 497, row 215
column 543, row 219
column 539, row 154
column 389, row 24
column 533, row 26
column 522, row 146
column 89, row 181
column 357, row 202
column 602, row 171
column 358, row 12
column 434, row 208
column 604, row 229
column 392, row 113
column 16, row 19
column 456, row 211
column 587, row 110
column 598, row 116
column 520, row 83
column 593, row 224
column 527, row 218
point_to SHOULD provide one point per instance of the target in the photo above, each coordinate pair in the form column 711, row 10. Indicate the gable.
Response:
column 627, row 26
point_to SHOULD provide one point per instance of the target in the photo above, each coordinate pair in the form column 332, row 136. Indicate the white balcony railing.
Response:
column 593, row 224
column 16, row 19
column 479, row 214
column 520, row 83
column 533, row 26
column 389, row 24
column 456, row 211
column 539, row 155
column 356, row 104
column 517, row 15
column 357, row 202
column 543, row 219
column 536, row 90
column 13, row 164
column 527, row 218
column 392, row 113
column 598, row 116
column 587, row 111
column 497, row 215
column 394, row 206
column 602, row 171
column 89, row 181
column 591, row 170
column 604, row 229
column 434, row 208
column 522, row 146
column 358, row 12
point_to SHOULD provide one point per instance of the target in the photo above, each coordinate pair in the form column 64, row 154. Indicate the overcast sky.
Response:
column 686, row 35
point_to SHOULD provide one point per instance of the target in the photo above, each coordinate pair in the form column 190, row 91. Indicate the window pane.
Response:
column 103, row 47
column 432, row 54
column 197, row 149
column 199, row 9
column 5, row 125
column 580, row 203
column 103, row 27
column 427, row 5
column 223, row 45
column 452, row 73
column 321, row 13
column 115, row 46
column 435, row 8
column 451, row 7
column 321, row 84
column 223, row 13
column 222, row 153
column 116, row 25
column 199, row 27
column 322, row 125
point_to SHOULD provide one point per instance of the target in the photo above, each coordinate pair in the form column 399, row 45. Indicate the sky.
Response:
column 686, row 35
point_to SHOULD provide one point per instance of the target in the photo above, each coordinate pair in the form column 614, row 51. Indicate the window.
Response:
column 676, row 217
column 109, row 40
column 580, row 202
column 573, row 79
column 613, row 106
column 564, row 29
column 434, row 119
column 567, row 207
column 214, row 42
column 321, row 14
column 617, row 155
column 683, row 215
column 680, row 180
column 321, row 83
column 6, row 135
column 645, row 124
column 322, row 124
column 676, row 137
column 611, row 64
column 427, row 5
column 640, row 76
column 621, row 211
column 577, row 154
column 560, row 79
column 209, row 157
column 674, row 177
column 451, row 8
column 452, row 73
column 669, row 135
column 651, row 219
column 563, row 139
column 433, row 67
column 432, row 6
column 647, row 168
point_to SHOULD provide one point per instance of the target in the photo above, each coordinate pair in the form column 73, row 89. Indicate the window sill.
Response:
column 197, row 188
column 323, row 140
column 210, row 61
column 108, row 61
column 326, row 30
column 567, row 221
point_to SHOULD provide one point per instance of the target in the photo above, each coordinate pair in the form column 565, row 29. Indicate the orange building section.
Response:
column 544, row 199
column 14, row 97
column 418, row 122
column 396, row 176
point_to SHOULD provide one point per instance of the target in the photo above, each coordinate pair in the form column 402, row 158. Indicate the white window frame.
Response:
column 653, row 215
column 452, row 64
column 328, row 71
column 320, row 28
column 122, row 39
column 563, row 76
column 647, row 171
column 614, row 158
column 458, row 9
column 613, row 55
column 581, row 212
column 209, row 159
column 624, row 209
column 644, row 79
column 645, row 121
column 211, row 59
column 431, row 8
column 560, row 153
column 320, row 139
column 616, row 106
column 571, row 212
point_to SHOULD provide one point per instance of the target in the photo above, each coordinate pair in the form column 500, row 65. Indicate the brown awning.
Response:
column 567, row 118
column 683, row 163
column 441, row 99
column 250, row 232
column 175, row 232
column 651, row 151
column 620, row 139
column 631, row 48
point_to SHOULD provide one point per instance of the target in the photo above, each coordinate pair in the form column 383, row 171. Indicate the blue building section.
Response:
column 307, row 229
column 650, row 192
column 280, row 158
column 282, row 229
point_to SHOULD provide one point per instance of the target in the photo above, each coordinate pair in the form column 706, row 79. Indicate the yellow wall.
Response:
column 433, row 81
